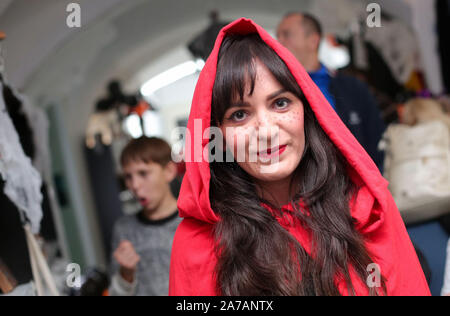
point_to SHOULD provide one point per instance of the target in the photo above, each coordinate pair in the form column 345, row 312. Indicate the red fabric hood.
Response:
column 194, row 195
column 374, row 209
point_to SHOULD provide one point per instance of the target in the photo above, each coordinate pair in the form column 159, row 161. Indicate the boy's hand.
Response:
column 128, row 260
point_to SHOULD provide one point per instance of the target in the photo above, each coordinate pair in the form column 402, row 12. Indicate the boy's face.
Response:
column 149, row 182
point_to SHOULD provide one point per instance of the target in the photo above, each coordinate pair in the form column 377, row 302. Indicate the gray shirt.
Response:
column 152, row 241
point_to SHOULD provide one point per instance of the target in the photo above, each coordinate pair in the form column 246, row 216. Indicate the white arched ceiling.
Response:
column 36, row 29
column 4, row 5
column 120, row 38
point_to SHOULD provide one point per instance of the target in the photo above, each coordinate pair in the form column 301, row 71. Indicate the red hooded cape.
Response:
column 377, row 217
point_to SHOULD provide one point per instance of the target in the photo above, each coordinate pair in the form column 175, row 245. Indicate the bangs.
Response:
column 236, row 72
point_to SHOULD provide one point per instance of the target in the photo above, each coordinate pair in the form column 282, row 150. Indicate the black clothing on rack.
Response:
column 13, row 244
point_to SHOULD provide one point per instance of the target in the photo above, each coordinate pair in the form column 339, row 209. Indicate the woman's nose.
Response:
column 264, row 119
column 266, row 127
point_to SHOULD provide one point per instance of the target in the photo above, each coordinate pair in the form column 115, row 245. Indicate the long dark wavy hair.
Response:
column 256, row 255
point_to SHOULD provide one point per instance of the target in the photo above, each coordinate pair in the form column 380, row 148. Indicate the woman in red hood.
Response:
column 310, row 215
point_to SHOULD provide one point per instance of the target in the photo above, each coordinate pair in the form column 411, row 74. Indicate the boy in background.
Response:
column 143, row 242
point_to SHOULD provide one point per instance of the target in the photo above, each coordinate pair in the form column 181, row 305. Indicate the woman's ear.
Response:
column 170, row 171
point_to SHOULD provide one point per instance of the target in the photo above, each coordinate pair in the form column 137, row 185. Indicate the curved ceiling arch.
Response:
column 118, row 38
column 121, row 45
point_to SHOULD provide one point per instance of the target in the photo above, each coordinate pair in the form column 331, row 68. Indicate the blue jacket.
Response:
column 358, row 109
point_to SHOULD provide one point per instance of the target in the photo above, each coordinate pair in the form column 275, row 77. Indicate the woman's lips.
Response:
column 272, row 152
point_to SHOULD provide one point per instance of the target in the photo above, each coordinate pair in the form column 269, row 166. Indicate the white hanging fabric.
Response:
column 39, row 267
column 42, row 161
column 23, row 187
column 39, row 124
column 398, row 47
column 22, row 180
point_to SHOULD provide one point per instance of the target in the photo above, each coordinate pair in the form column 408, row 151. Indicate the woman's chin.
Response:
column 271, row 173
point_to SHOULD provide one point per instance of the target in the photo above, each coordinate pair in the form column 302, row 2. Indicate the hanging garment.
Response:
column 41, row 159
column 367, row 59
column 14, row 254
column 21, row 253
column 20, row 121
column 43, row 279
column 39, row 125
column 397, row 45
column 202, row 45
column 23, row 182
column 375, row 214
column 387, row 57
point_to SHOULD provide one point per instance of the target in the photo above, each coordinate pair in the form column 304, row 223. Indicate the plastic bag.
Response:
column 417, row 166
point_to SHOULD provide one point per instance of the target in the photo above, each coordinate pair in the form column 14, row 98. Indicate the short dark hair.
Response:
column 147, row 149
column 309, row 22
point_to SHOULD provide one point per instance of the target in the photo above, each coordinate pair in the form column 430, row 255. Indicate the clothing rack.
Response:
column 42, row 276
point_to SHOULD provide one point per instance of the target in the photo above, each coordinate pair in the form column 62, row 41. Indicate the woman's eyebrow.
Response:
column 239, row 104
column 275, row 94
column 242, row 104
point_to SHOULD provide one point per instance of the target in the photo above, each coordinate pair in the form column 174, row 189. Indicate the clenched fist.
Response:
column 128, row 260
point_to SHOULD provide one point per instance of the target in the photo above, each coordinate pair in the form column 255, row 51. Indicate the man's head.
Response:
column 148, row 170
column 301, row 34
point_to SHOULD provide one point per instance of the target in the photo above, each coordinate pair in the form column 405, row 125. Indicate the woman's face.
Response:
column 265, row 130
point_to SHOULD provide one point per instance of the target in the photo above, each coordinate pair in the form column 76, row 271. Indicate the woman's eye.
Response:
column 282, row 103
column 238, row 116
